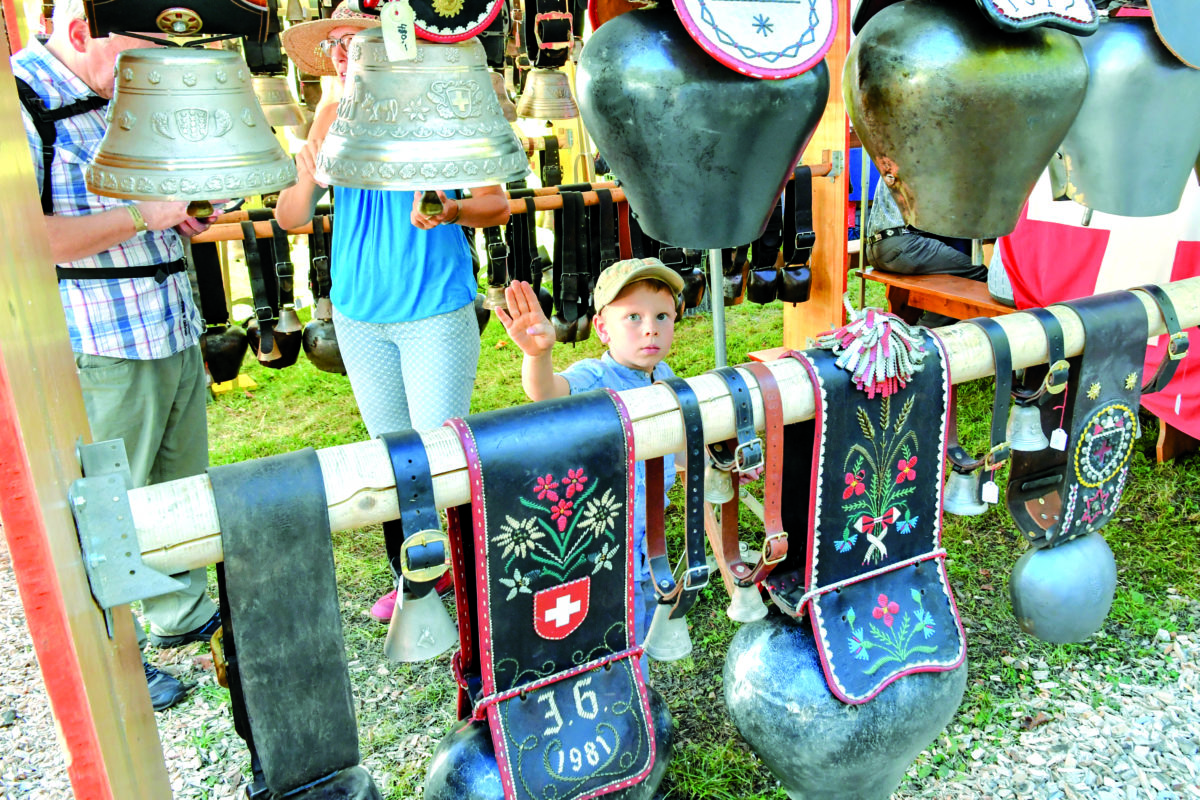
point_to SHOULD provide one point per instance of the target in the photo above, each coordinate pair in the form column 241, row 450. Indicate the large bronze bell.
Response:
column 960, row 117
column 1138, row 92
column 702, row 151
column 430, row 123
column 547, row 95
column 184, row 125
column 320, row 340
column 278, row 104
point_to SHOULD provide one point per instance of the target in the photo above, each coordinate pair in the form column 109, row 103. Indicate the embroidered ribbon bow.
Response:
column 879, row 349
column 866, row 525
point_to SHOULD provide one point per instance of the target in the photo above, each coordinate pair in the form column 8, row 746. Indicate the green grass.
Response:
column 1155, row 539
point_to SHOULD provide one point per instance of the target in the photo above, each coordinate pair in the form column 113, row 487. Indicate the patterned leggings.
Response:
column 410, row 374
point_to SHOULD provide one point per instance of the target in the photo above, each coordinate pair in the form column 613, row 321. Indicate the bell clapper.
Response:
column 200, row 208
column 431, row 204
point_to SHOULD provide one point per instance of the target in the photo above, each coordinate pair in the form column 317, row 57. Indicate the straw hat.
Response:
column 303, row 42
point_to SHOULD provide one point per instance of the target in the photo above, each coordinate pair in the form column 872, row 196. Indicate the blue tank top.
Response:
column 384, row 269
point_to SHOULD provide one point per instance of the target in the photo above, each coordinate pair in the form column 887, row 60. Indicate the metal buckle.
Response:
column 672, row 257
column 740, row 465
column 264, row 313
column 497, row 252
column 1177, row 346
column 538, row 19
column 1056, row 379
column 997, row 456
column 702, row 571
column 422, row 539
column 776, row 537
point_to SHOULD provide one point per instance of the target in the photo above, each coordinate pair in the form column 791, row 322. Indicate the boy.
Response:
column 637, row 301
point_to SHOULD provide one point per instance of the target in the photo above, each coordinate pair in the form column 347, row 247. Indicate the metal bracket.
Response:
column 837, row 163
column 112, row 557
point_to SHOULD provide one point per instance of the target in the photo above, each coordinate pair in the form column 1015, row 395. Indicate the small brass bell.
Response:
column 547, row 95
column 495, row 298
column 1025, row 429
column 420, row 629
column 667, row 639
column 278, row 104
column 718, row 485
column 184, row 124
column 964, row 494
column 433, row 122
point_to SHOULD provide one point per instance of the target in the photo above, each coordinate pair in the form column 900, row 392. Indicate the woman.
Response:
column 403, row 285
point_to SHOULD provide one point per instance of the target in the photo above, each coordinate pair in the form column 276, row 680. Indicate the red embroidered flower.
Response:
column 905, row 468
column 545, row 488
column 560, row 511
column 854, row 485
column 574, row 481
column 885, row 610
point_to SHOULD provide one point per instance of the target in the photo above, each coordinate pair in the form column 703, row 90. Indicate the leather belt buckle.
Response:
column 672, row 257
column 322, row 260
column 264, row 314
column 284, row 269
column 780, row 537
column 997, row 456
column 1056, row 378
column 702, row 571
column 497, row 252
column 805, row 241
column 424, row 539
column 1177, row 345
column 748, row 456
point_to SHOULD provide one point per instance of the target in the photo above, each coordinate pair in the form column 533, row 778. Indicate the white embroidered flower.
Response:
column 605, row 558
column 600, row 515
column 517, row 583
column 518, row 536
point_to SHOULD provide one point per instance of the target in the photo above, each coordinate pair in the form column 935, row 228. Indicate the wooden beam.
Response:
column 823, row 310
column 96, row 686
column 177, row 525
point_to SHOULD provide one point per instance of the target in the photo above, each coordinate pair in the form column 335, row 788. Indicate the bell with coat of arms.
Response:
column 961, row 117
column 184, row 124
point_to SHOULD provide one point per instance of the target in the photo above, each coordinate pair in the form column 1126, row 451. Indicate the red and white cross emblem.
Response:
column 559, row 610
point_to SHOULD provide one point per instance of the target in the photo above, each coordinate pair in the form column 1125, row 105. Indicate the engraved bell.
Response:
column 184, row 124
column 278, row 104
column 667, row 639
column 1025, row 429
column 964, row 494
column 433, row 122
column 420, row 629
column 547, row 95
column 718, row 485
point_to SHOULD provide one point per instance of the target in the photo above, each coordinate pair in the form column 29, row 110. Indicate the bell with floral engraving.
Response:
column 432, row 122
column 547, row 95
column 960, row 117
column 1137, row 92
column 184, row 124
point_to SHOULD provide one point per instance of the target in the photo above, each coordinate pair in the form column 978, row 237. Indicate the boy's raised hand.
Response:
column 524, row 320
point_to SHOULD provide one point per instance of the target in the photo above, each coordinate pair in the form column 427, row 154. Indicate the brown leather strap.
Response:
column 775, row 542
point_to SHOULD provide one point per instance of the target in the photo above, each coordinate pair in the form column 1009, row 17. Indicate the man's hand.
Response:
column 450, row 211
column 524, row 320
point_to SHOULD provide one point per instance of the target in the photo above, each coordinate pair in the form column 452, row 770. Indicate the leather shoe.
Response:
column 201, row 634
column 165, row 690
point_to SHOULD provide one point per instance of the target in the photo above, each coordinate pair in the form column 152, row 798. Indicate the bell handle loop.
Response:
column 200, row 208
column 431, row 204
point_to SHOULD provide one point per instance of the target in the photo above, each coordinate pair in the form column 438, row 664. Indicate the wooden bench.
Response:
column 960, row 298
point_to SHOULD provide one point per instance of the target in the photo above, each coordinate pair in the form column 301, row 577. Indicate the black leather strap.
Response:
column 1058, row 368
column 422, row 553
column 998, row 452
column 497, row 256
column 1177, row 340
column 264, row 311
column 572, row 282
column 683, row 594
column 746, row 451
column 157, row 271
column 284, row 271
column 206, row 258
column 766, row 248
column 319, row 279
column 798, row 234
column 284, row 617
column 551, row 168
column 609, row 248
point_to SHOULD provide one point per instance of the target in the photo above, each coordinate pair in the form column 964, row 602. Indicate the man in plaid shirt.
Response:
column 133, row 324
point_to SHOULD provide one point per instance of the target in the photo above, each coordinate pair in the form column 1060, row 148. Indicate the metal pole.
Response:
column 716, row 288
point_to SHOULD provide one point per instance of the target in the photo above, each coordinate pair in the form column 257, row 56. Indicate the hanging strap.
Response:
column 43, row 122
column 1177, row 340
column 319, row 277
column 745, row 452
column 798, row 234
column 422, row 547
column 573, row 289
column 497, row 256
column 682, row 594
column 609, row 245
column 998, row 452
column 766, row 248
column 1058, row 371
column 284, row 270
column 264, row 312
column 551, row 168
column 207, row 260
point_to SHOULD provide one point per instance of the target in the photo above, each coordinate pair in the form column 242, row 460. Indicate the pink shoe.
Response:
column 384, row 606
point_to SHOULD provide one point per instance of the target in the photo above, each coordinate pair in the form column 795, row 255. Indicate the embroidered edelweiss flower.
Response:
column 605, row 558
column 600, row 515
column 574, row 481
column 517, row 583
column 518, row 536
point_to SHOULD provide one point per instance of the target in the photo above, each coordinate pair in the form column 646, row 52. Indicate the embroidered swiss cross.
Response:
column 559, row 610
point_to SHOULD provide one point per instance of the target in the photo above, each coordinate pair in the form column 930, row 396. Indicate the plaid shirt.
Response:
column 133, row 318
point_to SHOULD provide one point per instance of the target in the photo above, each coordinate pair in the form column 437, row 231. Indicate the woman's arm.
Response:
column 297, row 203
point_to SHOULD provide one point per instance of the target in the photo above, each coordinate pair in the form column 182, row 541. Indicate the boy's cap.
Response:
column 619, row 275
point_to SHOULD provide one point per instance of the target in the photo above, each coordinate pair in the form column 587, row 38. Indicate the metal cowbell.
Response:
column 1025, row 429
column 667, row 639
column 278, row 104
column 420, row 629
column 184, row 124
column 547, row 95
column 963, row 495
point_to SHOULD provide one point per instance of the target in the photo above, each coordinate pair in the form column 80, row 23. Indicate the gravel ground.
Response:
column 1088, row 731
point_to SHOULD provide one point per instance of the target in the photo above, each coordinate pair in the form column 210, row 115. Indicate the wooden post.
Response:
column 824, row 307
column 96, row 686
